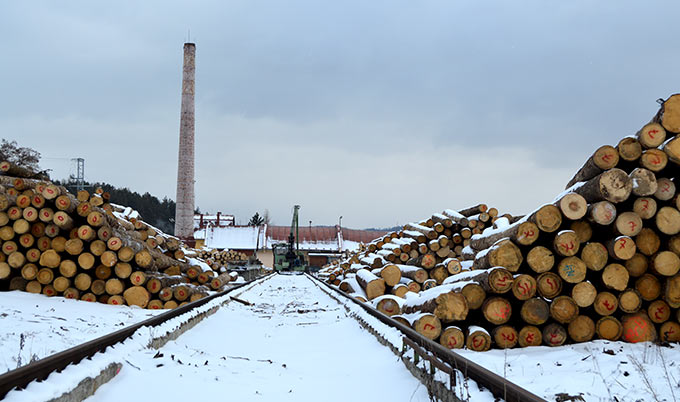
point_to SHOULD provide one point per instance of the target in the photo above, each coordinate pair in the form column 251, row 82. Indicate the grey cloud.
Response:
column 348, row 83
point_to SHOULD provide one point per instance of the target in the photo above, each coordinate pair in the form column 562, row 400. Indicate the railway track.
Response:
column 425, row 359
column 41, row 369
column 439, row 358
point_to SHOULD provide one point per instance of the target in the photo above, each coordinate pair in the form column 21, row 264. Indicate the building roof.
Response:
column 315, row 238
column 233, row 237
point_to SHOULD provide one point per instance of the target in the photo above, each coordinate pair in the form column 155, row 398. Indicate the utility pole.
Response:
column 80, row 173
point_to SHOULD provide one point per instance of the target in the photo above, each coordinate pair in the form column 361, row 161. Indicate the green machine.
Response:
column 287, row 256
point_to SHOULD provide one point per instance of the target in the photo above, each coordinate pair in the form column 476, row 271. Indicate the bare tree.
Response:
column 23, row 157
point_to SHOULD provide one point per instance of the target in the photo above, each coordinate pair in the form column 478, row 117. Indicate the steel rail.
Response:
column 499, row 386
column 40, row 369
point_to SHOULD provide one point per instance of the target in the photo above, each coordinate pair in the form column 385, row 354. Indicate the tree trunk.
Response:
column 535, row 311
column 564, row 309
column 540, row 259
column 503, row 253
column 572, row 270
column 615, row 276
column 524, row 287
column 606, row 157
column 372, row 285
column 505, row 337
column 452, row 338
column 497, row 310
column 522, row 232
column 554, row 335
column 629, row 149
column 581, row 329
column 549, row 285
column 654, row 160
column 612, row 185
column 584, row 294
column 638, row 328
column 478, row 339
column 609, row 328
column 446, row 304
column 644, row 182
column 649, row 287
column 530, row 336
column 136, row 296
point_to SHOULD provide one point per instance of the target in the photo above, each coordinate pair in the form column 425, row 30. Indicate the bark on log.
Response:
column 612, row 185
column 372, row 285
column 503, row 253
column 606, row 157
column 493, row 280
column 446, row 304
column 522, row 232
column 548, row 218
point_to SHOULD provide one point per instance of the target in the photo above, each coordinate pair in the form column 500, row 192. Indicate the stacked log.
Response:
column 218, row 259
column 80, row 247
column 602, row 260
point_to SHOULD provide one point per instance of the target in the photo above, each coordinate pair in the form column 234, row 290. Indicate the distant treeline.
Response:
column 160, row 214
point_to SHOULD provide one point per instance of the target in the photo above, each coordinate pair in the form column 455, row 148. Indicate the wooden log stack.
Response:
column 601, row 261
column 220, row 259
column 81, row 247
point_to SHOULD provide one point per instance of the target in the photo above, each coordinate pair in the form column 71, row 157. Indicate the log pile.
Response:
column 601, row 261
column 82, row 247
column 423, row 253
column 218, row 260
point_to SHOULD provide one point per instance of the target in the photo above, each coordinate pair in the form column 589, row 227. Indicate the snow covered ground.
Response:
column 33, row 326
column 294, row 344
column 596, row 371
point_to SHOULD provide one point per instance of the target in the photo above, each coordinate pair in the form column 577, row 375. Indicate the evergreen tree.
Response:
column 256, row 220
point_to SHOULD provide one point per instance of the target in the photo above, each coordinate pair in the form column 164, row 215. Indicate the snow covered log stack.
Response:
column 83, row 247
column 221, row 258
column 600, row 261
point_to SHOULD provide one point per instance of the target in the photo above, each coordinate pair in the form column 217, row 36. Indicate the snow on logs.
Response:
column 81, row 247
column 602, row 260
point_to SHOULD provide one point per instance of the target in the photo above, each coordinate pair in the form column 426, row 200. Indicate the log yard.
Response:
column 511, row 219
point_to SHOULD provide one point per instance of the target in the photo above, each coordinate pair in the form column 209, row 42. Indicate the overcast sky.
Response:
column 380, row 111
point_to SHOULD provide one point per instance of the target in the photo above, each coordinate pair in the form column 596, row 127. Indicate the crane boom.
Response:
column 294, row 228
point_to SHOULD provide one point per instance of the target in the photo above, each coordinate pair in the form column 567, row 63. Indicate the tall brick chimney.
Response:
column 184, row 213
